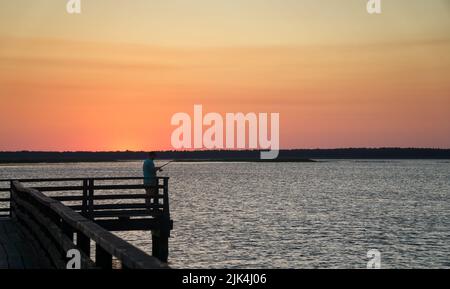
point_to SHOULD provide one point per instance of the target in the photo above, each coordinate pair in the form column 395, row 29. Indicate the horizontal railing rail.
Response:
column 37, row 180
column 59, row 229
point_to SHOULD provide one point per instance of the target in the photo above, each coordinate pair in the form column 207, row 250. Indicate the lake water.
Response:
column 294, row 215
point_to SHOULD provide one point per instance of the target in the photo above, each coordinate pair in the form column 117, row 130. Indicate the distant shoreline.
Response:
column 24, row 162
column 297, row 155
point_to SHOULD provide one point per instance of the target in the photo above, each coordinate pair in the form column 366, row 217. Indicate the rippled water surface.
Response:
column 294, row 215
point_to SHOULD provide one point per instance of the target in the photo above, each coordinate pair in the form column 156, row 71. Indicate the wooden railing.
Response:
column 82, row 198
column 85, row 210
column 59, row 229
column 94, row 198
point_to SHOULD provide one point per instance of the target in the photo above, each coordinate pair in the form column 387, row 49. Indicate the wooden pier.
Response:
column 42, row 219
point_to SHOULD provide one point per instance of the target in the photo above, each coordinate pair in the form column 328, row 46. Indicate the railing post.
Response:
column 160, row 245
column 160, row 237
column 166, row 208
column 11, row 191
column 91, row 199
column 84, row 243
column 102, row 258
column 84, row 202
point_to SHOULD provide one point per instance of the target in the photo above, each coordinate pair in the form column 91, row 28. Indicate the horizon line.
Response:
column 222, row 150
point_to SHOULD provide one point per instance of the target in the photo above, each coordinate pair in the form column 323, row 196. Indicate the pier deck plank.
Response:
column 17, row 251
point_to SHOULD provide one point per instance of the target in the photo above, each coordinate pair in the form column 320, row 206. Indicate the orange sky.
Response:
column 338, row 76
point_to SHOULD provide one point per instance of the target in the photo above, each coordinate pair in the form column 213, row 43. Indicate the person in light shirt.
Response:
column 150, row 180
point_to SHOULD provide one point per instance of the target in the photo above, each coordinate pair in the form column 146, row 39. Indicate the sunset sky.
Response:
column 112, row 77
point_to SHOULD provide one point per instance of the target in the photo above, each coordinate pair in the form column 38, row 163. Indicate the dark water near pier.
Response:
column 294, row 215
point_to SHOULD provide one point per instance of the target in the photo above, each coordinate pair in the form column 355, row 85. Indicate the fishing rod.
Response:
column 159, row 169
